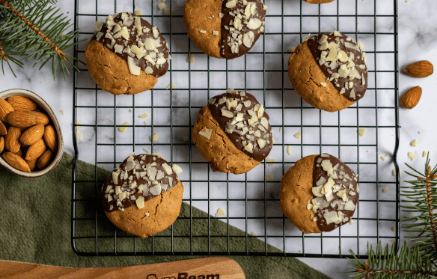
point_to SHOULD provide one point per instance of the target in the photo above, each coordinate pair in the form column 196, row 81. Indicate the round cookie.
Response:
column 143, row 196
column 319, row 194
column 318, row 1
column 127, row 55
column 328, row 71
column 224, row 28
column 233, row 133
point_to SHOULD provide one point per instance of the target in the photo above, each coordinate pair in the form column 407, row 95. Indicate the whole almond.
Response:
column 25, row 119
column 411, row 98
column 2, row 144
column 16, row 161
column 11, row 140
column 35, row 150
column 3, row 130
column 32, row 164
column 419, row 69
column 22, row 103
column 50, row 138
column 5, row 109
column 32, row 135
column 45, row 159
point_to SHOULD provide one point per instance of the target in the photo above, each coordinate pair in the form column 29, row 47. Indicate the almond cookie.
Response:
column 233, row 133
column 127, row 55
column 328, row 71
column 143, row 196
column 319, row 194
column 224, row 28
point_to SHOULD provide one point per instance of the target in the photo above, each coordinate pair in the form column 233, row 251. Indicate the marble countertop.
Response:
column 417, row 26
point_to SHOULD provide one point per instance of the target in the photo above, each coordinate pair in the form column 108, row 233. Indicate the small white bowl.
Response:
column 46, row 108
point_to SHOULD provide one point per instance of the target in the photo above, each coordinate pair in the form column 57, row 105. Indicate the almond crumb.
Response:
column 171, row 86
column 144, row 115
column 190, row 58
column 130, row 110
column 280, row 129
column 79, row 136
column 361, row 131
column 394, row 172
column 424, row 153
column 253, row 233
column 78, row 127
column 298, row 135
column 63, row 112
column 289, row 150
column 155, row 137
column 411, row 156
column 414, row 143
column 270, row 162
column 385, row 190
column 161, row 6
column 123, row 129
column 384, row 157
column 220, row 212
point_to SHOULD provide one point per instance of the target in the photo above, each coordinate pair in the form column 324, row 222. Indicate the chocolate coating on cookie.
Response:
column 343, row 63
column 245, row 122
column 335, row 191
column 138, row 179
column 242, row 24
column 136, row 41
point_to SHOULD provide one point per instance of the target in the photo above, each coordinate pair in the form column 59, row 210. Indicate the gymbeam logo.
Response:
column 184, row 276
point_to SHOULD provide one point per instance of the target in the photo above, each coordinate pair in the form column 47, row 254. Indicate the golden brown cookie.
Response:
column 319, row 194
column 224, row 28
column 127, row 55
column 328, row 71
column 222, row 134
column 318, row 1
column 143, row 196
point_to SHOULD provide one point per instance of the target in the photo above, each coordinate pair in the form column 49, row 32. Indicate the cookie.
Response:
column 318, row 1
column 233, row 133
column 328, row 71
column 126, row 55
column 224, row 28
column 319, row 194
column 143, row 196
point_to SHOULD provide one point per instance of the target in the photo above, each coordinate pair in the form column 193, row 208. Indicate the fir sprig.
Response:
column 35, row 29
column 386, row 263
column 420, row 260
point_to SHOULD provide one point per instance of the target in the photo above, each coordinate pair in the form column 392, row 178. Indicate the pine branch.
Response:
column 385, row 263
column 35, row 29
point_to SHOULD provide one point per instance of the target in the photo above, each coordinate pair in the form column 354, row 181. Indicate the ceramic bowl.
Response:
column 46, row 108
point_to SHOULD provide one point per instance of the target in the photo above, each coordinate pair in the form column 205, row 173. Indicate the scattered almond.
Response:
column 298, row 135
column 50, row 138
column 385, row 190
column 424, row 153
column 3, row 130
column 32, row 164
column 190, row 58
column 2, row 144
column 32, row 135
column 16, row 161
column 270, row 162
column 21, row 103
column 45, row 159
column 384, row 157
column 220, row 212
column 5, row 109
column 411, row 98
column 361, row 131
column 11, row 140
column 144, row 115
column 394, row 172
column 411, row 156
column 123, row 129
column 26, row 119
column 289, row 150
column 63, row 112
column 414, row 143
column 36, row 150
column 419, row 69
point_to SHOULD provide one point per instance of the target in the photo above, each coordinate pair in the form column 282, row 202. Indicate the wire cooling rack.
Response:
column 251, row 201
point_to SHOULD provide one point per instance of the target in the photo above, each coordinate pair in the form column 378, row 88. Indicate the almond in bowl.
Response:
column 31, row 142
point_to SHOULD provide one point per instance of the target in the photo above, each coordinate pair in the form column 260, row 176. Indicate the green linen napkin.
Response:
column 35, row 227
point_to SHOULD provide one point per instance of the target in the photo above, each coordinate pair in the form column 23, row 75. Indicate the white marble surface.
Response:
column 416, row 42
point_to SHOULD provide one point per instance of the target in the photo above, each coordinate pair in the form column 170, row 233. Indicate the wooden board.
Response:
column 205, row 268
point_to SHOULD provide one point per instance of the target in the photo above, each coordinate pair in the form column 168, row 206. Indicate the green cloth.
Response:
column 35, row 227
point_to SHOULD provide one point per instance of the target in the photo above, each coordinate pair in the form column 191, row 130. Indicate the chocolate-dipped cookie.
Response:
column 224, row 28
column 126, row 55
column 319, row 194
column 143, row 196
column 233, row 133
column 328, row 71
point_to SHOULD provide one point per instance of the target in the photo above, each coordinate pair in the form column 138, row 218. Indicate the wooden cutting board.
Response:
column 205, row 268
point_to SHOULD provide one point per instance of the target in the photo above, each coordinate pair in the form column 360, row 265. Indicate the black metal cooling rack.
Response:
column 377, row 215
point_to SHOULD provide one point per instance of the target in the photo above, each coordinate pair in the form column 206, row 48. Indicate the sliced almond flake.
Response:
column 123, row 129
column 177, row 169
column 414, row 143
column 140, row 202
column 298, row 135
column 411, row 156
column 220, row 212
column 289, row 150
column 424, row 153
column 144, row 115
column 206, row 133
column 384, row 157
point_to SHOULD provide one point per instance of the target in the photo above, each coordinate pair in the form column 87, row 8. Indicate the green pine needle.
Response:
column 21, row 43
